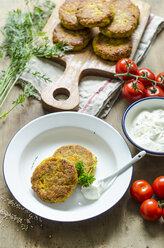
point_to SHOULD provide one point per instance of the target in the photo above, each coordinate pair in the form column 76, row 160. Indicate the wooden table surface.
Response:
column 121, row 226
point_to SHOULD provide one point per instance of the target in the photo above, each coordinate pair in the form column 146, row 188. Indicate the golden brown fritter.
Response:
column 78, row 39
column 76, row 153
column 54, row 179
column 111, row 49
column 94, row 13
column 125, row 19
column 67, row 15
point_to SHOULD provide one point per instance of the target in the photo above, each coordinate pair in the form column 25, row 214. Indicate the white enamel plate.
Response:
column 41, row 137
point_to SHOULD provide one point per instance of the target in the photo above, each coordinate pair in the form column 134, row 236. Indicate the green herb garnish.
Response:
column 83, row 178
column 23, row 39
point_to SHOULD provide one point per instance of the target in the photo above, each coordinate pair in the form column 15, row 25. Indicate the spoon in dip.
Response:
column 99, row 186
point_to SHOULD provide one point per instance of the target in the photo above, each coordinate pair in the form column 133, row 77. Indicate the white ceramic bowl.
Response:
column 145, row 104
column 41, row 137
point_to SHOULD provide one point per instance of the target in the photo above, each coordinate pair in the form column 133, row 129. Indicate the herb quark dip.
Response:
column 147, row 130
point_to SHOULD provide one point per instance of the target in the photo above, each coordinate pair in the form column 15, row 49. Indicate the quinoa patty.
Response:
column 75, row 153
column 125, row 20
column 54, row 179
column 111, row 49
column 67, row 15
column 94, row 13
column 78, row 39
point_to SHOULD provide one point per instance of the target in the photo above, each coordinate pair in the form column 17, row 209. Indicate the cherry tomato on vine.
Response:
column 133, row 90
column 158, row 187
column 144, row 72
column 154, row 91
column 141, row 190
column 125, row 65
column 160, row 78
column 150, row 210
column 163, row 213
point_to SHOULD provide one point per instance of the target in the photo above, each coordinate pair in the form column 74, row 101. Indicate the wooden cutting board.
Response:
column 83, row 63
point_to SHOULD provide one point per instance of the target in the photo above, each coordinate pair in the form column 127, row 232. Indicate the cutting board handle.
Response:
column 66, row 85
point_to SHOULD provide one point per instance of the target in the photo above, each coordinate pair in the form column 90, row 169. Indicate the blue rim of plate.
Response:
column 126, row 133
column 50, row 218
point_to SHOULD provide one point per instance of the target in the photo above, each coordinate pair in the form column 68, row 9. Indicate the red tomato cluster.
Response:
column 140, row 82
column 142, row 192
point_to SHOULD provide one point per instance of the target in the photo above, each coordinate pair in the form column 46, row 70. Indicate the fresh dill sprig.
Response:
column 83, row 178
column 40, row 76
column 29, row 90
column 21, row 34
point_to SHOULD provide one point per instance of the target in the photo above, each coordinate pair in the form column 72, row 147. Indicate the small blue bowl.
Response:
column 145, row 104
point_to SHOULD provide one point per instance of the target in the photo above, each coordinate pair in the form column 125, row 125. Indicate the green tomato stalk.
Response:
column 137, row 76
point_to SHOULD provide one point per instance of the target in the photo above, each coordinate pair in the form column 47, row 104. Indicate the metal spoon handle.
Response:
column 125, row 167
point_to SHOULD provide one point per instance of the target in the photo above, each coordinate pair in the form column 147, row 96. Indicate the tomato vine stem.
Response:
column 139, row 77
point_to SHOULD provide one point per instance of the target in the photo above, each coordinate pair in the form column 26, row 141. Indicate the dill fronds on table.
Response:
column 21, row 34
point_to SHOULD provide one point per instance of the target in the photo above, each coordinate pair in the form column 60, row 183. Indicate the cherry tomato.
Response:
column 154, row 91
column 122, row 66
column 133, row 91
column 141, row 190
column 160, row 78
column 158, row 187
column 163, row 213
column 148, row 73
column 150, row 210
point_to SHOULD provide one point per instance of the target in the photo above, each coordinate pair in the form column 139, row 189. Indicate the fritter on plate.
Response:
column 94, row 13
column 77, row 153
column 125, row 20
column 67, row 15
column 78, row 39
column 112, row 49
column 54, row 179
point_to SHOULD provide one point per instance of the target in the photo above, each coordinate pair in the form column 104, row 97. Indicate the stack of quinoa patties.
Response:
column 69, row 30
column 56, row 177
column 116, row 20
